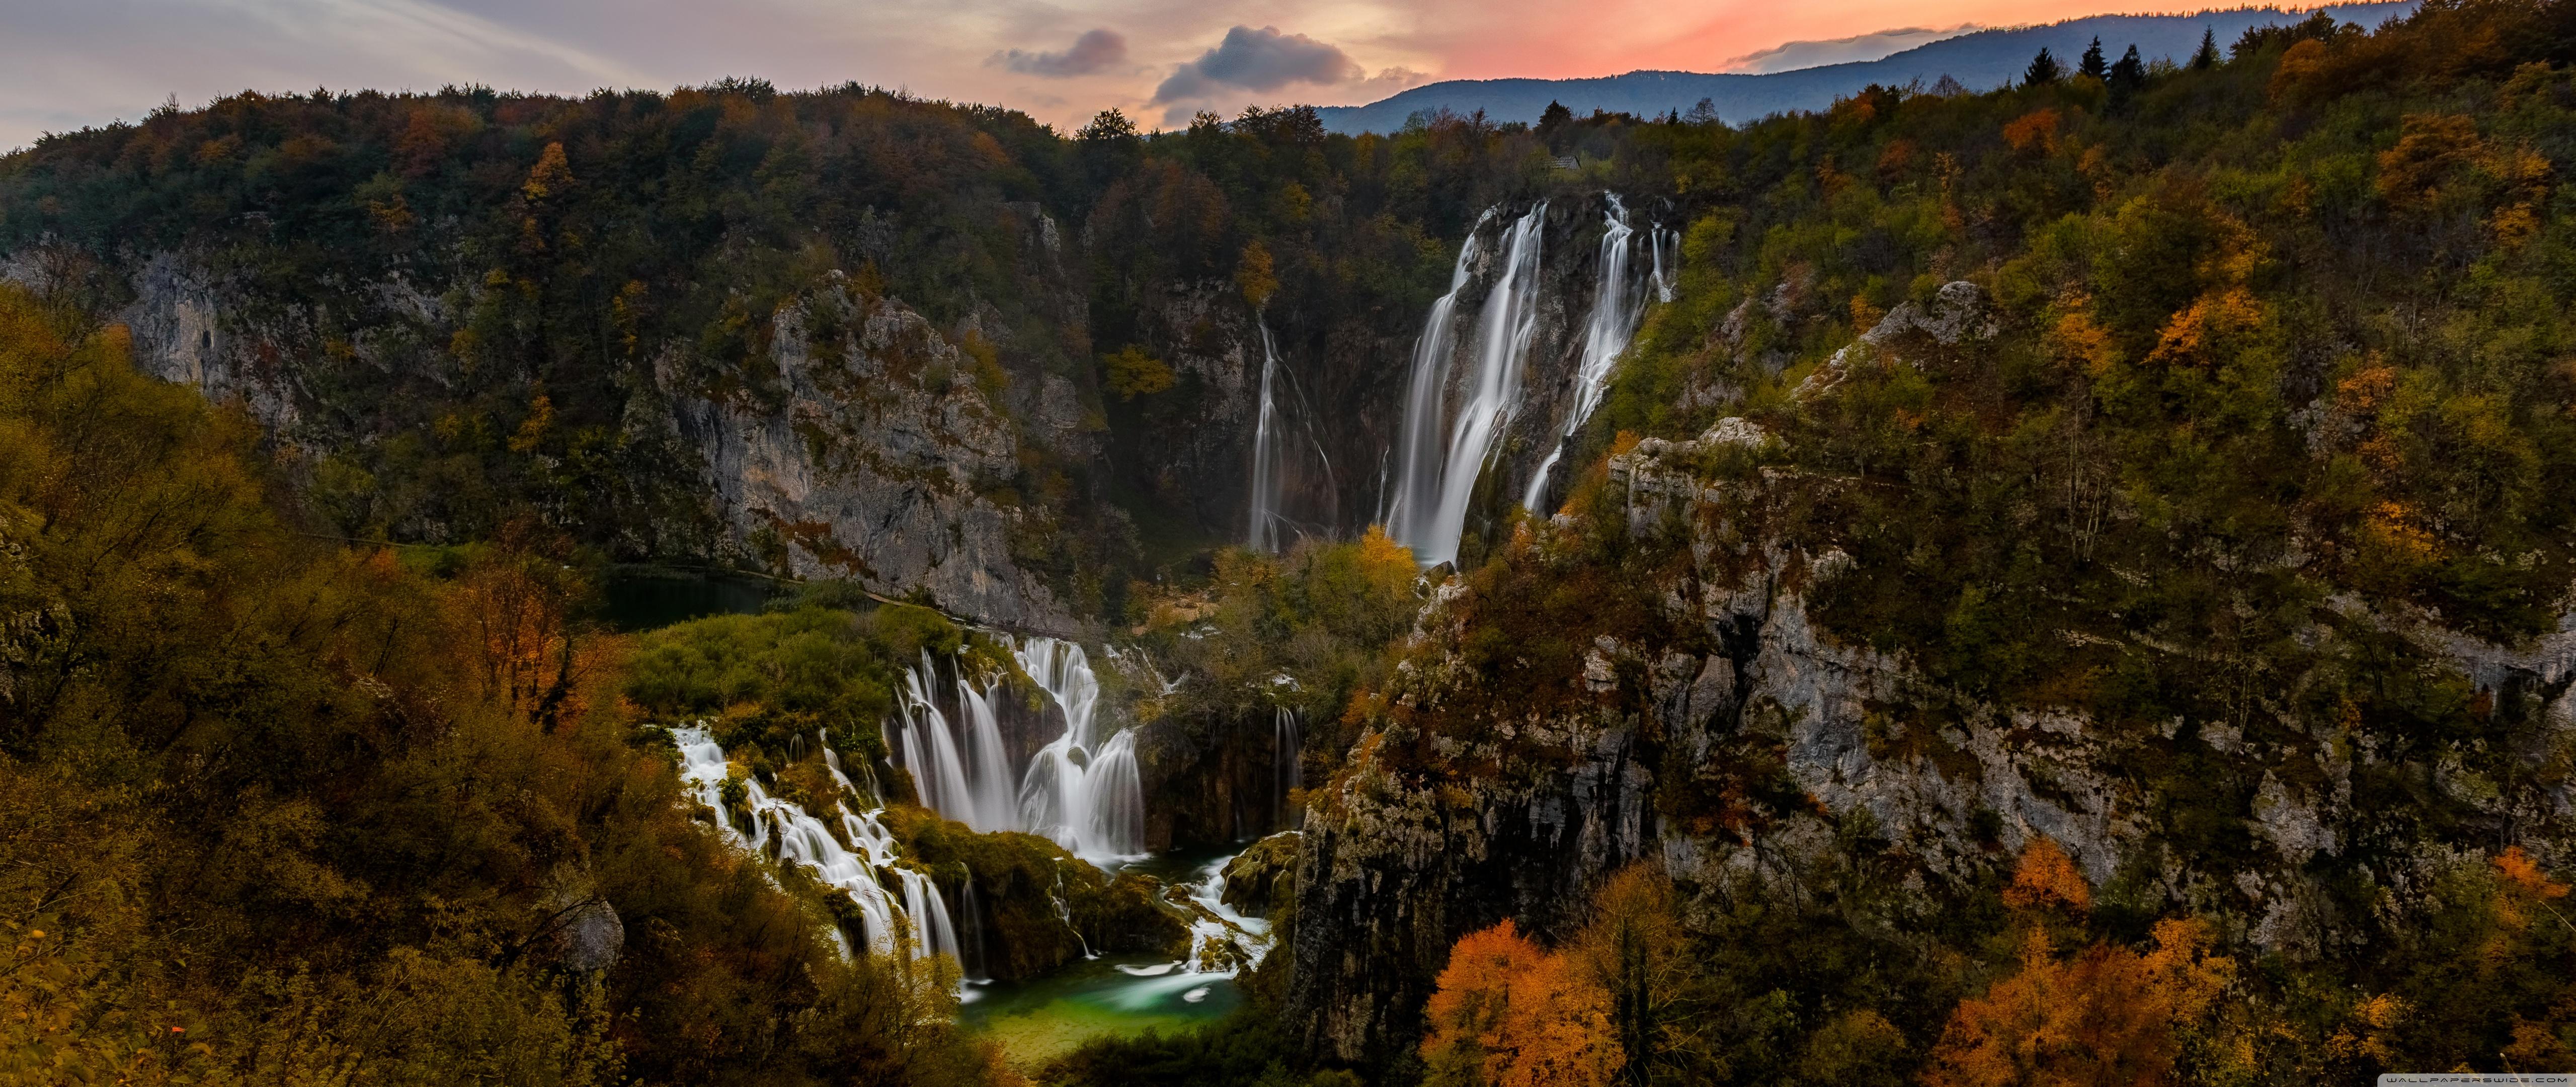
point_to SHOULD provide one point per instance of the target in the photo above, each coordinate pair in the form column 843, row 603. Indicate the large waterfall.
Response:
column 912, row 918
column 1617, row 303
column 1419, row 448
column 1082, row 789
column 1432, row 509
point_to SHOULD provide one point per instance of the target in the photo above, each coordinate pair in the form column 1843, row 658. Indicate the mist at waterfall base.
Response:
column 1441, row 455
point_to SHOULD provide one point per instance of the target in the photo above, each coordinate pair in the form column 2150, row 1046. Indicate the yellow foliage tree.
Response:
column 1133, row 373
column 1254, row 274
column 1509, row 1014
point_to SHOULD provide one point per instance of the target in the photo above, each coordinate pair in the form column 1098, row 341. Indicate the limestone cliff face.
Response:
column 875, row 448
column 868, row 457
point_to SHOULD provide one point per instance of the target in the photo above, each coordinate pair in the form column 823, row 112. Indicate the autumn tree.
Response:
column 1510, row 1014
column 1636, row 950
column 2103, row 1017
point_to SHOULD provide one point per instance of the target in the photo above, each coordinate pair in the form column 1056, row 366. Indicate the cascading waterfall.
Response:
column 1616, row 306
column 1264, row 534
column 917, row 925
column 1503, row 334
column 959, row 767
column 1418, row 454
column 1081, row 789
column 1287, row 764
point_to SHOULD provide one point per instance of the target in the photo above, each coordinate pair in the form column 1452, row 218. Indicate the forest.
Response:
column 2070, row 583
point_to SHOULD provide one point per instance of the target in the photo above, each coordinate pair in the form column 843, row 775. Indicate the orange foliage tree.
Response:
column 1509, row 1014
column 2104, row 1017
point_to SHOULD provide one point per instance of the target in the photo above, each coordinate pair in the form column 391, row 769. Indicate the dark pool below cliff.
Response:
column 637, row 598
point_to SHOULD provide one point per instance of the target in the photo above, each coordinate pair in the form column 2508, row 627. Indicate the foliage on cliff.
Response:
column 275, row 811
column 2242, row 457
column 485, row 306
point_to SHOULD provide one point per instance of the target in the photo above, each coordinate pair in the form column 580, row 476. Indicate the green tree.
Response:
column 2043, row 71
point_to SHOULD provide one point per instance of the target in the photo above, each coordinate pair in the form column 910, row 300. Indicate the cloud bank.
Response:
column 1095, row 52
column 1259, row 60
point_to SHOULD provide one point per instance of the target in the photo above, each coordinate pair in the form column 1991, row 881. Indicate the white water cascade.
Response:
column 1082, row 789
column 1223, row 944
column 959, row 767
column 1617, row 303
column 910, row 917
column 1432, row 509
column 1419, row 447
column 1264, row 534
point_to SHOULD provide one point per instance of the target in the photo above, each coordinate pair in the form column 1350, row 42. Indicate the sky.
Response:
column 68, row 64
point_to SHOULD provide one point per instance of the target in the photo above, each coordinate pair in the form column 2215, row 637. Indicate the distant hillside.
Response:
column 1981, row 61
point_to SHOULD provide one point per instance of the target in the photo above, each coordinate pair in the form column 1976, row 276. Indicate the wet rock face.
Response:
column 1262, row 880
column 1208, row 781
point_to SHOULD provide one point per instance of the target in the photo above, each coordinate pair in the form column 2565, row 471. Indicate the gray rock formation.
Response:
column 871, row 459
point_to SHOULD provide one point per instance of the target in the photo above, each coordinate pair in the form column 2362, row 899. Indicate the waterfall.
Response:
column 1503, row 333
column 917, row 925
column 1269, row 449
column 1616, row 306
column 1082, row 789
column 1287, row 762
column 1661, row 242
column 1264, row 535
column 959, row 767
column 979, row 966
column 1064, row 911
column 1418, row 453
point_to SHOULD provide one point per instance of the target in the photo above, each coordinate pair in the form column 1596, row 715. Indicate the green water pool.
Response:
column 1038, row 1019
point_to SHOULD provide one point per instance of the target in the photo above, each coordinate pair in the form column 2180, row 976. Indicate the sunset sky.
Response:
column 65, row 64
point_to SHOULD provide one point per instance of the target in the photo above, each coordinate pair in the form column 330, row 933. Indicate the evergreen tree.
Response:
column 2094, row 65
column 2127, row 76
column 2043, row 71
column 2207, row 56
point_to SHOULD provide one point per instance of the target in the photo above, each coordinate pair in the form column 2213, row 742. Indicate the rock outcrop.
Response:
column 871, row 457
column 1395, row 865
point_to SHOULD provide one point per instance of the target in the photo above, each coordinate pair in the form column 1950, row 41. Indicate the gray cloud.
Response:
column 1094, row 52
column 1258, row 60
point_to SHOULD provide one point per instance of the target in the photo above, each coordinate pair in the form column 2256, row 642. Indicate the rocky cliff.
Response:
column 1734, row 740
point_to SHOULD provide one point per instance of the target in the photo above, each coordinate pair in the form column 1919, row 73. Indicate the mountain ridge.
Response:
column 1979, row 60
